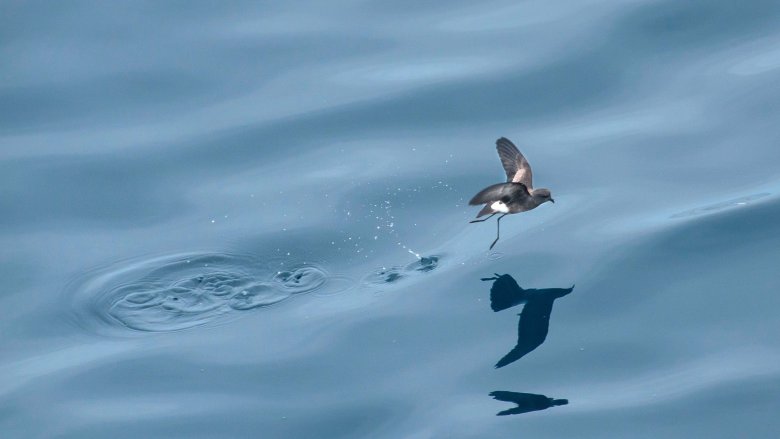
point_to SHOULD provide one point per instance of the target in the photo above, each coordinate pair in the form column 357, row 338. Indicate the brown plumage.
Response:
column 514, row 196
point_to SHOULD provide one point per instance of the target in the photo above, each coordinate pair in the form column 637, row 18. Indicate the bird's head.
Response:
column 543, row 195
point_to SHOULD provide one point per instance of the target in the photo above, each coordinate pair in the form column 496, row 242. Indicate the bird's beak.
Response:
column 553, row 201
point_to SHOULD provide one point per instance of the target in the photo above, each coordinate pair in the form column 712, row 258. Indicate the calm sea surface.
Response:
column 250, row 219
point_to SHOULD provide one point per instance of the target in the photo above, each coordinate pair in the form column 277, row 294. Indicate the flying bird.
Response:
column 516, row 195
column 526, row 402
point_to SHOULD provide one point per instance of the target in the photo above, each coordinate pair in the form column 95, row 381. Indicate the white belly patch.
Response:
column 498, row 206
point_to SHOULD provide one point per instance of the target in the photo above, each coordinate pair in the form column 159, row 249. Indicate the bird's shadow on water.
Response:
column 531, row 333
column 526, row 402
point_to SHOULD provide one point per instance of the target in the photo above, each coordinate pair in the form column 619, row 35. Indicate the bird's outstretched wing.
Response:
column 498, row 192
column 526, row 402
column 534, row 322
column 505, row 395
column 531, row 330
column 517, row 168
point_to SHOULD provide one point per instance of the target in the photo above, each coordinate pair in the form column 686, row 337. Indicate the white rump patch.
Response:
column 498, row 206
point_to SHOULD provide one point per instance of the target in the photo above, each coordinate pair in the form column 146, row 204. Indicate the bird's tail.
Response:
column 485, row 210
column 559, row 401
column 506, row 293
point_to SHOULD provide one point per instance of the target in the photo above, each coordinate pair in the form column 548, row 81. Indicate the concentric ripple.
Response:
column 395, row 274
column 301, row 279
column 181, row 291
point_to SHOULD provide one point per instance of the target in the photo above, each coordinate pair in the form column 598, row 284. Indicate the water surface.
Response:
column 251, row 220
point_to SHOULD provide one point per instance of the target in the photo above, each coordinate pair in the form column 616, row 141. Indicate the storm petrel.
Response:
column 516, row 195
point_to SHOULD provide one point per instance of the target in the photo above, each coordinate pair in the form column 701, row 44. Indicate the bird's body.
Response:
column 505, row 198
column 517, row 194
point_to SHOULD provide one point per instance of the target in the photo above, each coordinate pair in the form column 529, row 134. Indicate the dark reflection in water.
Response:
column 394, row 274
column 535, row 317
column 531, row 333
column 526, row 402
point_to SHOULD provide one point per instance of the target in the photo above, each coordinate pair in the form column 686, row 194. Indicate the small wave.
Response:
column 301, row 279
column 712, row 208
column 494, row 256
column 181, row 291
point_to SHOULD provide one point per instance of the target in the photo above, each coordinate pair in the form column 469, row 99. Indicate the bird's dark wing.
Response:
column 535, row 321
column 531, row 330
column 507, row 396
column 517, row 168
column 512, row 411
column 523, row 401
column 499, row 191
column 526, row 402
column 556, row 293
column 515, row 354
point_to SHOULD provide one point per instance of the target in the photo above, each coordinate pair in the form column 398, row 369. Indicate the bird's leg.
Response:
column 484, row 219
column 498, row 230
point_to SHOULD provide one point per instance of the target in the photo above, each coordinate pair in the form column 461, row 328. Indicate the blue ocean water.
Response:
column 250, row 219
